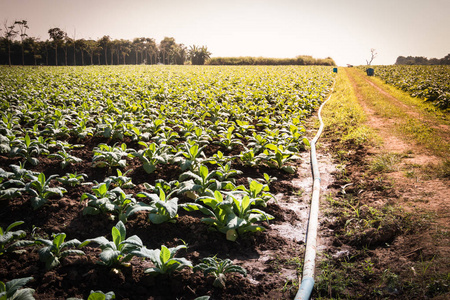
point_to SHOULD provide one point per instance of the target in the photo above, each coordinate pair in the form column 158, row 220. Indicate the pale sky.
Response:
column 345, row 30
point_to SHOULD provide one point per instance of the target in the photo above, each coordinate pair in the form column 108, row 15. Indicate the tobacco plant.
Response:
column 10, row 240
column 54, row 250
column 152, row 155
column 164, row 260
column 121, row 180
column 227, row 139
column 257, row 192
column 72, row 179
column 190, row 156
column 219, row 268
column 202, row 182
column 120, row 250
column 279, row 157
column 65, row 157
column 232, row 216
column 39, row 188
column 114, row 202
column 163, row 208
column 13, row 289
column 110, row 156
column 29, row 149
column 98, row 295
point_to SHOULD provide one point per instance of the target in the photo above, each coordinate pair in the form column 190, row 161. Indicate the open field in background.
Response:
column 215, row 158
column 431, row 83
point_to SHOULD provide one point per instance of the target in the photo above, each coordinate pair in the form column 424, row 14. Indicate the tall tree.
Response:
column 67, row 42
column 74, row 45
column 125, row 49
column 81, row 46
column 91, row 47
column 150, row 49
column 58, row 36
column 165, row 48
column 138, row 47
column 35, row 47
column 9, row 35
column 23, row 26
column 179, row 53
column 198, row 55
column 105, row 43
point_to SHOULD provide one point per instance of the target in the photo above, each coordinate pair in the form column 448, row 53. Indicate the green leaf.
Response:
column 59, row 239
column 157, row 218
column 11, row 226
column 12, row 286
column 116, row 236
column 165, row 254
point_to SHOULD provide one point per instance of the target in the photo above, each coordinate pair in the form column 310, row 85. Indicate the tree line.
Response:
column 420, row 60
column 18, row 48
column 248, row 60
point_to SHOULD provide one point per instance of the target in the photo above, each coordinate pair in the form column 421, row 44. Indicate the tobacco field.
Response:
column 430, row 83
column 150, row 182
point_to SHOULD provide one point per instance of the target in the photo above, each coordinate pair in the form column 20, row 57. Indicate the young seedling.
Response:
column 219, row 268
column 231, row 216
column 39, row 188
column 120, row 250
column 98, row 295
column 7, row 238
column 72, row 179
column 162, row 208
column 12, row 290
column 54, row 250
column 164, row 260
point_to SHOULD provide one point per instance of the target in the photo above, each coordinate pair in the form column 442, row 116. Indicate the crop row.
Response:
column 431, row 83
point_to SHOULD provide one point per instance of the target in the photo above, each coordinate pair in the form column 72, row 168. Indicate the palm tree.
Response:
column 198, row 55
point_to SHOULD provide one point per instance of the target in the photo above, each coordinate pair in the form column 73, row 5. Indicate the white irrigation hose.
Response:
column 307, row 283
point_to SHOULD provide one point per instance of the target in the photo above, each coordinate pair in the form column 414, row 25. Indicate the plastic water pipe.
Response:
column 309, row 264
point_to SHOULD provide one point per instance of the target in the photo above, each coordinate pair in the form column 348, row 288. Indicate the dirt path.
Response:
column 418, row 191
column 384, row 232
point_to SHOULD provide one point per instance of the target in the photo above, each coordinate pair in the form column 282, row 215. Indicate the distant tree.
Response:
column 179, row 54
column 125, row 49
column 152, row 50
column 105, row 43
column 445, row 60
column 113, row 47
column 138, row 47
column 74, row 45
column 67, row 42
column 91, row 47
column 23, row 26
column 198, row 55
column 98, row 52
column 35, row 47
column 165, row 48
column 9, row 34
column 373, row 54
column 81, row 46
column 58, row 36
column 149, row 48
